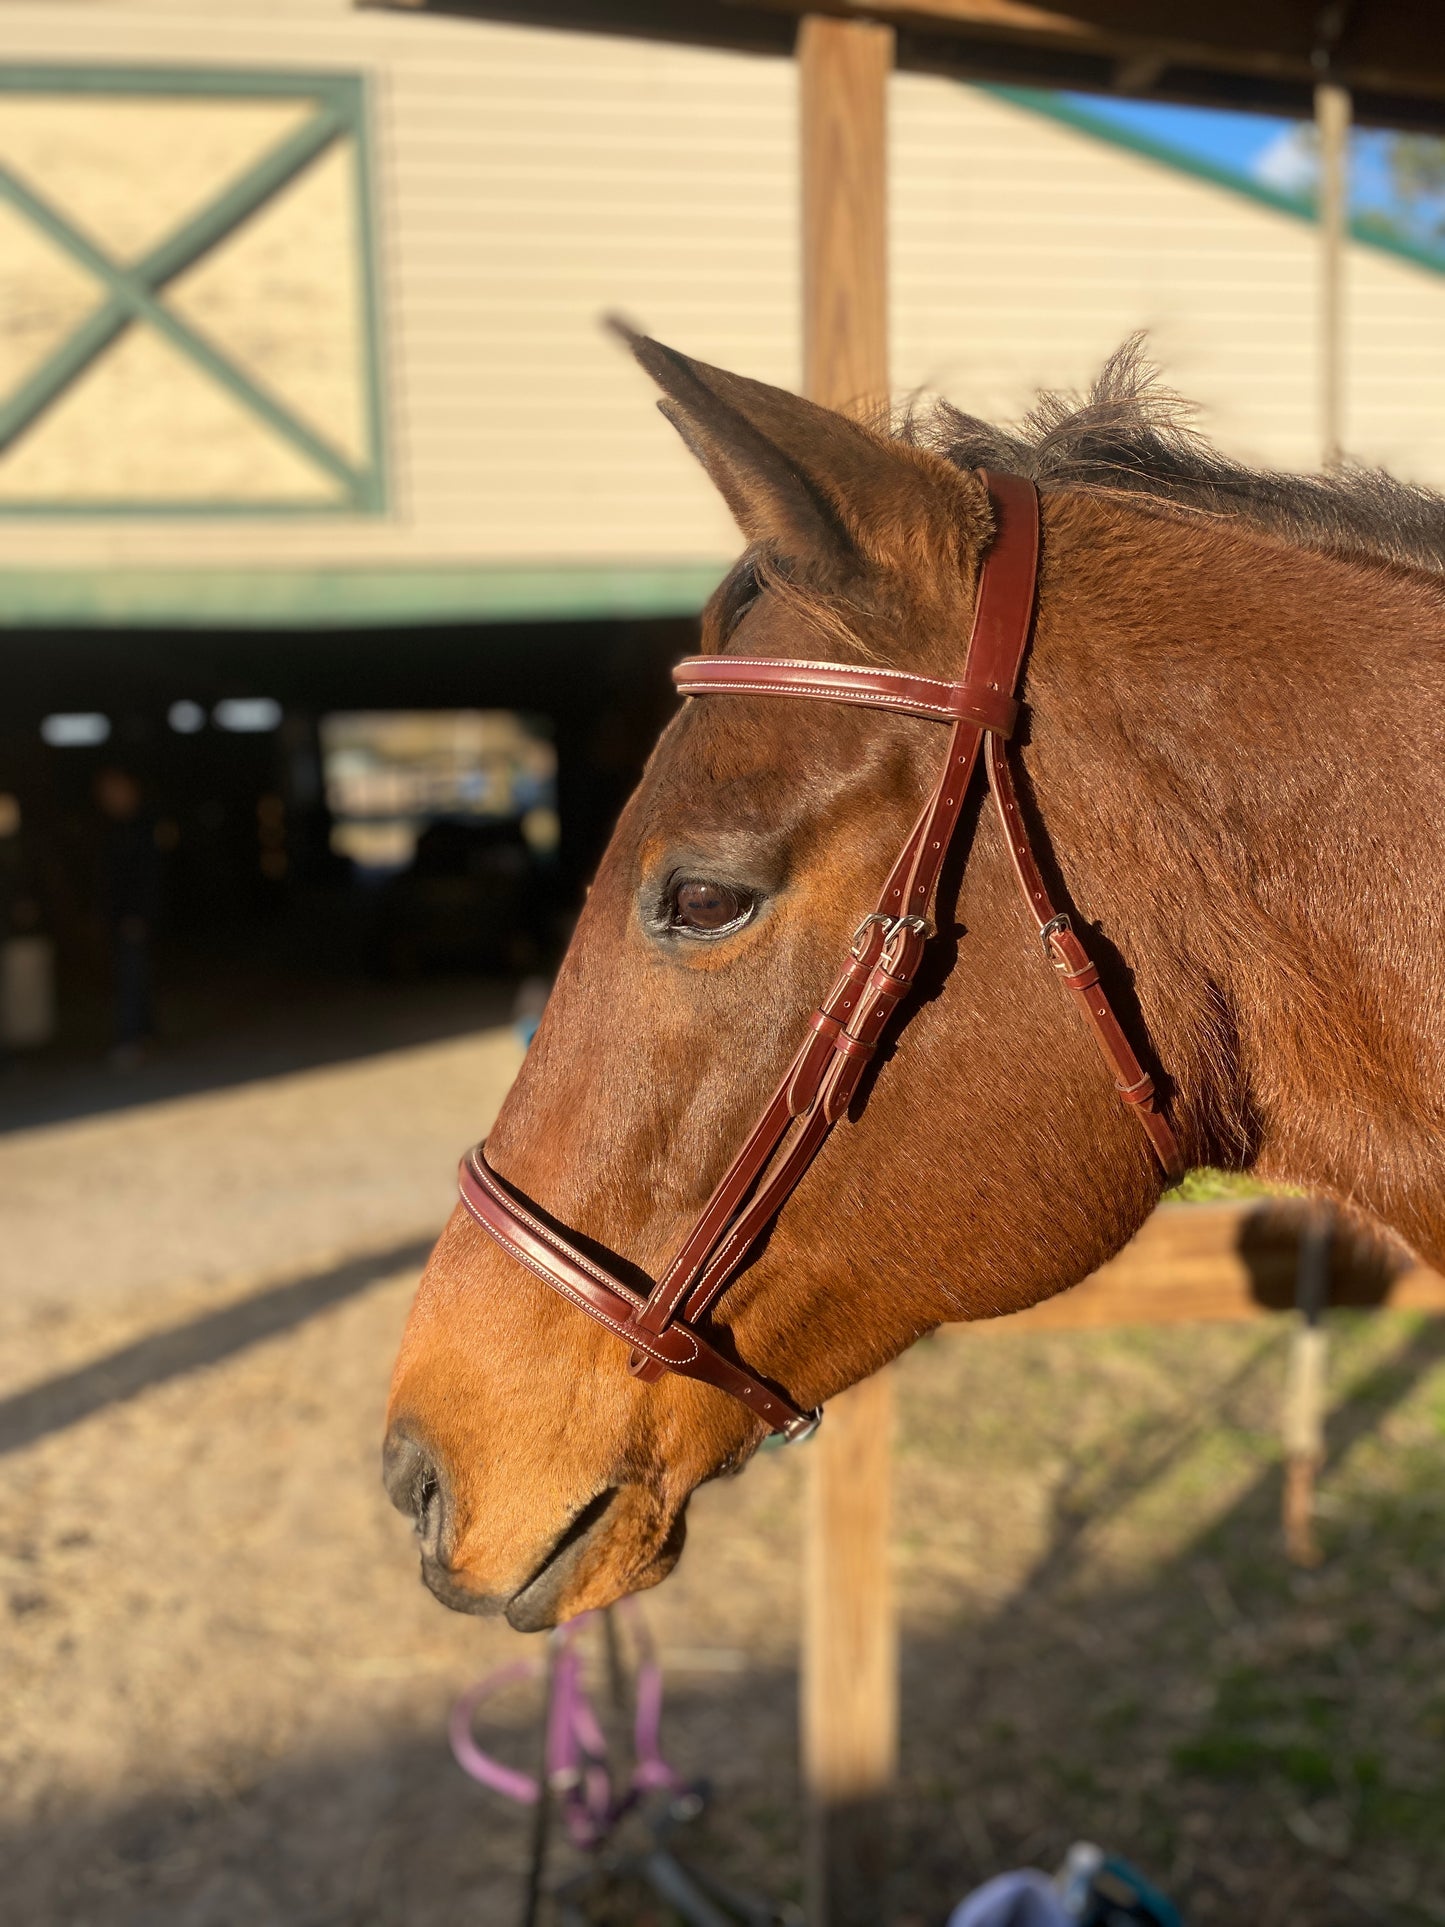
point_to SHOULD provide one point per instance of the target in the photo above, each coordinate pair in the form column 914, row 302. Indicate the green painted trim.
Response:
column 71, row 509
column 133, row 299
column 1299, row 207
column 349, row 598
column 133, row 289
column 64, row 365
column 220, row 82
column 371, row 486
column 217, row 221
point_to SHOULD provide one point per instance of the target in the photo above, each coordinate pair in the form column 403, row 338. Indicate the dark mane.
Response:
column 1128, row 433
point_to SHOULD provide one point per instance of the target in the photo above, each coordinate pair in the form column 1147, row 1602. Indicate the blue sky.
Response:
column 1270, row 150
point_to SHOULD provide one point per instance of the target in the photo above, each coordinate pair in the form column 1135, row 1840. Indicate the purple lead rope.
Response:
column 577, row 1768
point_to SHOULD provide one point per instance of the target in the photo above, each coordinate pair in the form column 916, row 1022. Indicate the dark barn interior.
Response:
column 264, row 930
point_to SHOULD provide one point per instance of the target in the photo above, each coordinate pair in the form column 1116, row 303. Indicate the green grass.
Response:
column 1116, row 1648
column 1208, row 1186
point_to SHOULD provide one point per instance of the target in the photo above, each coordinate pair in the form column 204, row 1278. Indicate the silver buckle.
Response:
column 798, row 1429
column 1058, row 926
column 897, row 930
column 873, row 916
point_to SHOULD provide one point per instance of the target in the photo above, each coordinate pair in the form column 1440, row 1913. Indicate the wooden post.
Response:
column 843, row 73
column 1332, row 121
column 850, row 1655
column 850, row 1660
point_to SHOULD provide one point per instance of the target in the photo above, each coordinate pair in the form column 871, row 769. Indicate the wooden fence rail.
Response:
column 1212, row 1262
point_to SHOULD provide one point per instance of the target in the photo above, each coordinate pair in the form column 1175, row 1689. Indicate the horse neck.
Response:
column 1236, row 752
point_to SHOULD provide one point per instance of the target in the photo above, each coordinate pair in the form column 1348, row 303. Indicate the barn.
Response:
column 305, row 411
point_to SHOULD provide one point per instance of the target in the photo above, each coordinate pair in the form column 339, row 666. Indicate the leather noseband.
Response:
column 662, row 1327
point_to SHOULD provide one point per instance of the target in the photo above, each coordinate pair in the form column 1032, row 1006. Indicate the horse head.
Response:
column 985, row 1163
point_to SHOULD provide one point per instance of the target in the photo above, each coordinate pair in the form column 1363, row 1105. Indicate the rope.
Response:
column 576, row 1774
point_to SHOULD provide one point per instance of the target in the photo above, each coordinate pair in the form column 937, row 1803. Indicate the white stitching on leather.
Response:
column 620, row 1327
column 868, row 698
column 492, row 1186
column 707, row 666
column 614, row 1286
column 764, row 1403
column 718, row 1260
column 711, row 683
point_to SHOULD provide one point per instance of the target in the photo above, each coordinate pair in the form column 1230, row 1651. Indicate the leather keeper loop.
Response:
column 1072, row 958
column 1140, row 1093
column 990, row 708
column 887, row 985
column 827, row 1026
column 847, row 1046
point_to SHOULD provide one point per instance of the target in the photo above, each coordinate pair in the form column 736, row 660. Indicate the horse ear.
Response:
column 807, row 481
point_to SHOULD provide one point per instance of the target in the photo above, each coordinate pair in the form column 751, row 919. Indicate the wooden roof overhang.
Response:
column 1260, row 55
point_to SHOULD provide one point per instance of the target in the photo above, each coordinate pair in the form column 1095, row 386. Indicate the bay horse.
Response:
column 1230, row 757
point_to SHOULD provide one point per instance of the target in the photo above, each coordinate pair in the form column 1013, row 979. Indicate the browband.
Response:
column 843, row 1033
column 937, row 702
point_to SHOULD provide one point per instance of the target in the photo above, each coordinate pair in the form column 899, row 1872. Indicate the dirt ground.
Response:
column 224, row 1691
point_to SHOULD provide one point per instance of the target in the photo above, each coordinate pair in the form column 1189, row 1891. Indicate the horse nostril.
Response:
column 428, row 1511
column 412, row 1483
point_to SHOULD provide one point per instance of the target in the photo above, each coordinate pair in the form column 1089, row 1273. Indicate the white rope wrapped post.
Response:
column 850, row 1656
column 1305, row 1388
column 1305, row 1385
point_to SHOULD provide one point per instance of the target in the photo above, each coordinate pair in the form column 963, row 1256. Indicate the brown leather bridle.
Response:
column 662, row 1327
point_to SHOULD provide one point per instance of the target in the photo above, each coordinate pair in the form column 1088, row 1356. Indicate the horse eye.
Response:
column 707, row 907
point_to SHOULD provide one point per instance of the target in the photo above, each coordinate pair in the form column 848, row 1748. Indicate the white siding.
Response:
column 1024, row 251
column 528, row 181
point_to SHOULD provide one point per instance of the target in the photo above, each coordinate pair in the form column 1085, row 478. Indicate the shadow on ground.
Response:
column 1269, row 1744
column 226, row 1027
column 71, row 1397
